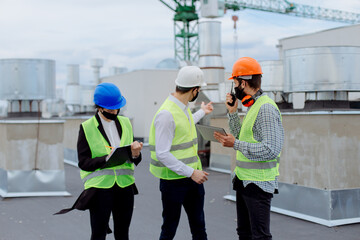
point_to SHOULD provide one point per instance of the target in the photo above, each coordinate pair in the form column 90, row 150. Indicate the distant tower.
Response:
column 72, row 94
column 87, row 91
column 235, row 18
column 117, row 70
column 96, row 64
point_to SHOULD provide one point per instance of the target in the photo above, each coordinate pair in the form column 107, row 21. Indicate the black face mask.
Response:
column 110, row 116
column 239, row 93
column 195, row 97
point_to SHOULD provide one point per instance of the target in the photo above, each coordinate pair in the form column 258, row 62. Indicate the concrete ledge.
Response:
column 326, row 207
column 17, row 183
column 328, row 223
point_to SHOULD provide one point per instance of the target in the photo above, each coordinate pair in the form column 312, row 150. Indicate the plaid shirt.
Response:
column 269, row 132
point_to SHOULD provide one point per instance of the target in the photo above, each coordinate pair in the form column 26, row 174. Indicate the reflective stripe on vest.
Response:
column 258, row 165
column 105, row 178
column 183, row 146
column 108, row 172
column 184, row 160
column 247, row 169
column 180, row 146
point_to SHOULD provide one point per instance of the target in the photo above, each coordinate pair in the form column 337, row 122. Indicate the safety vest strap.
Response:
column 184, row 160
column 180, row 146
column 257, row 165
column 108, row 172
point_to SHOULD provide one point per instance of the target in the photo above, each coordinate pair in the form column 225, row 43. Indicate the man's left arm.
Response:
column 270, row 133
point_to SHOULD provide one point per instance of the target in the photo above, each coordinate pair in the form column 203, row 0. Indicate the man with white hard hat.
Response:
column 174, row 155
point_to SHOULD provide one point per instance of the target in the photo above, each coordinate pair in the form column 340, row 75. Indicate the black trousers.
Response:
column 115, row 200
column 253, row 212
column 175, row 194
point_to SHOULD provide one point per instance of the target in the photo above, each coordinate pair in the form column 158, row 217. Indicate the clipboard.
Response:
column 119, row 156
column 207, row 132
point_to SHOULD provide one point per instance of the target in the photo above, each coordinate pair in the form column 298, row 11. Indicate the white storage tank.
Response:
column 272, row 81
column 273, row 76
column 73, row 74
column 87, row 98
column 321, row 69
column 27, row 79
column 73, row 96
column 210, row 60
column 96, row 64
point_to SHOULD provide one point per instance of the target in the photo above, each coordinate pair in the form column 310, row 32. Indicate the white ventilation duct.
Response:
column 96, row 64
column 117, row 70
column 72, row 96
column 210, row 61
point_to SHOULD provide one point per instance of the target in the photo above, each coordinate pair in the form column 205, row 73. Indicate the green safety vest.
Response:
column 184, row 145
column 247, row 169
column 106, row 178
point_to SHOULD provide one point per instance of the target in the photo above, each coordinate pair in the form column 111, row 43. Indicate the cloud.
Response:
column 135, row 34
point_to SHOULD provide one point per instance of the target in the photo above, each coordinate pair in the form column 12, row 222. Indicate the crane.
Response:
column 185, row 28
column 293, row 9
column 186, row 19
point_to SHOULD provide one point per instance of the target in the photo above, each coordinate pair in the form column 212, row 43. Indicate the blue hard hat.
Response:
column 108, row 95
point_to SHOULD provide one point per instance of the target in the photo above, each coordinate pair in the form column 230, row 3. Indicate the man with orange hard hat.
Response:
column 258, row 142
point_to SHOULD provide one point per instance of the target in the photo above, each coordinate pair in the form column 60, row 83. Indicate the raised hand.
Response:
column 208, row 108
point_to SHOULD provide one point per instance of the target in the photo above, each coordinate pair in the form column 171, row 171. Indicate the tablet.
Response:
column 207, row 132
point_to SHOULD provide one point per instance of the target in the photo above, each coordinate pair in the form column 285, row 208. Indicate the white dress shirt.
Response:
column 111, row 132
column 164, row 133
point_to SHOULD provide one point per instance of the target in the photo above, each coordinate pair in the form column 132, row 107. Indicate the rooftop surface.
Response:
column 31, row 218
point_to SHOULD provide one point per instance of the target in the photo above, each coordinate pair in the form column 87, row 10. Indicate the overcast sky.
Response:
column 136, row 34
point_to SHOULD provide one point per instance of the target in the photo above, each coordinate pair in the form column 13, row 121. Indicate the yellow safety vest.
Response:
column 106, row 178
column 184, row 145
column 247, row 169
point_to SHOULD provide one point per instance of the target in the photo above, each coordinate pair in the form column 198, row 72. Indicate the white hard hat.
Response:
column 190, row 76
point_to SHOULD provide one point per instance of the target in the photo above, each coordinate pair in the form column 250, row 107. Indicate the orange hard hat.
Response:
column 245, row 66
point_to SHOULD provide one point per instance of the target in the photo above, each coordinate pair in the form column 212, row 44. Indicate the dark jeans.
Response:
column 182, row 192
column 253, row 212
column 119, row 202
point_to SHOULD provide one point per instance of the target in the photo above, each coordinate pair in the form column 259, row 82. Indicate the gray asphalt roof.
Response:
column 31, row 218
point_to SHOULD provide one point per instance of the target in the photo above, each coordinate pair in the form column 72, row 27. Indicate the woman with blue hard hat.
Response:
column 108, row 190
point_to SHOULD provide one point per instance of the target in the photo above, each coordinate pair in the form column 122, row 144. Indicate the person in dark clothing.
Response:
column 108, row 190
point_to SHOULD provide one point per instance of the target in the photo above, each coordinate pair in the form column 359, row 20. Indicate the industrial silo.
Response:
column 25, row 83
column 31, row 153
column 325, row 75
column 319, row 174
